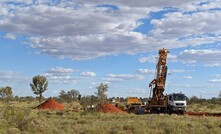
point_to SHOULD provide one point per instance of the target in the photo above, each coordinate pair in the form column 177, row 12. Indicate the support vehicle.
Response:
column 132, row 104
column 176, row 103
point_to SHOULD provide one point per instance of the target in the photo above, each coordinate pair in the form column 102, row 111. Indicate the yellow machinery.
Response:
column 132, row 104
column 158, row 102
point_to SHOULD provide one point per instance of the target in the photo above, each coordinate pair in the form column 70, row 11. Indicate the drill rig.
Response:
column 158, row 103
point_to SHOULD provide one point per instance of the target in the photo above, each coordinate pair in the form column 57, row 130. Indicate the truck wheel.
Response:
column 152, row 110
column 169, row 111
column 182, row 112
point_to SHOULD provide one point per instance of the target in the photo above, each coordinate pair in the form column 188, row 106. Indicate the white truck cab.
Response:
column 176, row 103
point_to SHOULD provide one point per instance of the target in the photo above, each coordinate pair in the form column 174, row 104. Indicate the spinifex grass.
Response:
column 204, row 107
column 67, row 121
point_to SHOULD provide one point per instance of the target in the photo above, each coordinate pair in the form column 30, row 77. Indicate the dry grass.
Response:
column 204, row 107
column 82, row 122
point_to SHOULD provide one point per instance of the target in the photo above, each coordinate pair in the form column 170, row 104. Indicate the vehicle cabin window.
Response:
column 170, row 97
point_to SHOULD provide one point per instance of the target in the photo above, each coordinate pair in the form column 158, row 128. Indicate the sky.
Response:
column 78, row 44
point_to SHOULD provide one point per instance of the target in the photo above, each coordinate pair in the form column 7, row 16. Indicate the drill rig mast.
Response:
column 159, row 102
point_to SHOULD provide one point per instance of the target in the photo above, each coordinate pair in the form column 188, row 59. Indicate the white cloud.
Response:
column 199, row 23
column 11, row 76
column 17, row 1
column 60, row 75
column 110, row 79
column 85, row 29
column 122, row 77
column 10, row 36
column 201, row 5
column 154, row 58
column 86, row 47
column 146, row 71
column 150, row 59
column 141, row 3
column 172, row 58
column 215, row 81
column 55, row 21
column 213, row 65
column 90, row 74
column 61, row 70
column 176, row 70
column 188, row 77
column 208, row 57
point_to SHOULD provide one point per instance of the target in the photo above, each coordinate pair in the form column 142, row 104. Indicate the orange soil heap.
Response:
column 109, row 108
column 203, row 114
column 51, row 104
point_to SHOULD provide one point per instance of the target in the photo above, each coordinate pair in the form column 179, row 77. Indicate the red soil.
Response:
column 203, row 114
column 109, row 108
column 51, row 104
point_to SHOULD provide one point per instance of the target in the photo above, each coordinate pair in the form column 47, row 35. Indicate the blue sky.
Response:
column 79, row 44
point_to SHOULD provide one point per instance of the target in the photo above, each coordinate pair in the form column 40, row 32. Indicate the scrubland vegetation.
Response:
column 204, row 105
column 20, row 117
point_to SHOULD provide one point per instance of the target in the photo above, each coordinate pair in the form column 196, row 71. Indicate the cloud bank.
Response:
column 83, row 29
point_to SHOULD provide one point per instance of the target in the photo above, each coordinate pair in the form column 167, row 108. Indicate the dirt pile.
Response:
column 109, row 108
column 203, row 114
column 51, row 104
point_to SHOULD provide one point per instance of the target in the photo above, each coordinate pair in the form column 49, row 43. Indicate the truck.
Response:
column 176, row 103
column 158, row 102
column 132, row 104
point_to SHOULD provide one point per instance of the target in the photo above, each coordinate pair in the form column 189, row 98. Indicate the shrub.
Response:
column 17, row 117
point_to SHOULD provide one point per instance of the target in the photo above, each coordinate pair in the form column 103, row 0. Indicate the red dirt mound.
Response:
column 51, row 104
column 203, row 114
column 109, row 108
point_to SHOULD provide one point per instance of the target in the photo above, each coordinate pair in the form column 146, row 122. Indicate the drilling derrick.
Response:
column 158, row 101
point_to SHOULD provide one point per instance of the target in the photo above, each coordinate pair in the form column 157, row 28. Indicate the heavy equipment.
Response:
column 158, row 102
column 132, row 104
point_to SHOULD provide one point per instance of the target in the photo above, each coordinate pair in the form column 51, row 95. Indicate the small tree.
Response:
column 193, row 99
column 71, row 95
column 102, row 89
column 63, row 96
column 39, row 85
column 6, row 93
